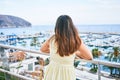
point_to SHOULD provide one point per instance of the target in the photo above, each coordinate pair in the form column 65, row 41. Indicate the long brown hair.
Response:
column 66, row 36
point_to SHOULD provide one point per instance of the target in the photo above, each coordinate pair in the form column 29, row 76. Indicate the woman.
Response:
column 63, row 46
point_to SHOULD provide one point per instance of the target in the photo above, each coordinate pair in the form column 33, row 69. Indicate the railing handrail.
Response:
column 102, row 62
column 23, row 49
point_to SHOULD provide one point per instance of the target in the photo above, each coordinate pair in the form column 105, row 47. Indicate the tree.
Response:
column 96, row 53
column 114, row 57
column 35, row 42
column 116, row 51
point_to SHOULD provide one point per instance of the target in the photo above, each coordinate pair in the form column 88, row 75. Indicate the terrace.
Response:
column 82, row 72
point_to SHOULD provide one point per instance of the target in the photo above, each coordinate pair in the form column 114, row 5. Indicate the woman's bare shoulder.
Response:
column 52, row 37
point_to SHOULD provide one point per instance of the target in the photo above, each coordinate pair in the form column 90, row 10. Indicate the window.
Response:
column 30, row 66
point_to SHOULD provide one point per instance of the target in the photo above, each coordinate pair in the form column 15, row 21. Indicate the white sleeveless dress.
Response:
column 59, row 68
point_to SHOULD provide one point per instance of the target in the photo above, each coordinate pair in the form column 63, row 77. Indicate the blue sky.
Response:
column 45, row 12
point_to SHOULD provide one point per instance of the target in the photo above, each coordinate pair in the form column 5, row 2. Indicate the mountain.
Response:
column 7, row 21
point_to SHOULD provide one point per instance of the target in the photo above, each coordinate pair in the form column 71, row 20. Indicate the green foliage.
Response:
column 96, row 53
column 2, row 76
column 94, row 68
column 14, row 78
column 47, row 60
column 35, row 42
column 113, row 57
column 116, row 51
column 5, row 76
column 76, row 63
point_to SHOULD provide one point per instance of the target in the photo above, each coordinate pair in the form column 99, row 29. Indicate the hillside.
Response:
column 8, row 21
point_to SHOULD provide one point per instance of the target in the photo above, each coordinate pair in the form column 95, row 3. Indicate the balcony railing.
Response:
column 20, row 77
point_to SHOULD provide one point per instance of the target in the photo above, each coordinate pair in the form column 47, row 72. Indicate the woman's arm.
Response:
column 84, row 52
column 45, row 46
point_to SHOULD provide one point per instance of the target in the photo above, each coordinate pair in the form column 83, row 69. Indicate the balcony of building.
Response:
column 27, row 68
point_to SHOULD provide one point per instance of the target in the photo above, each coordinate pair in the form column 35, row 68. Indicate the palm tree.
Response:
column 35, row 42
column 23, row 43
column 116, row 51
column 114, row 57
column 96, row 53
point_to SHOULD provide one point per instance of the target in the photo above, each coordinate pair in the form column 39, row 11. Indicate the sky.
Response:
column 45, row 12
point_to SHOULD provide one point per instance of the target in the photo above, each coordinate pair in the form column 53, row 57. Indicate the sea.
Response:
column 109, row 28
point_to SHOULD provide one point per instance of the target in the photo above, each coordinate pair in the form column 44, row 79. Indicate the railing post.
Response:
column 99, row 73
